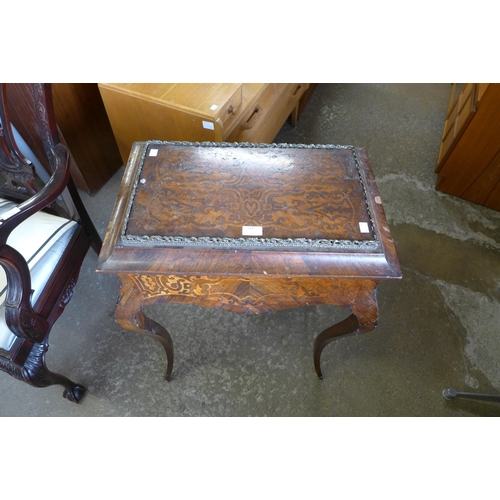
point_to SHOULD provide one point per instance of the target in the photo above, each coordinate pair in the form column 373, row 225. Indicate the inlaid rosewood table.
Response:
column 248, row 228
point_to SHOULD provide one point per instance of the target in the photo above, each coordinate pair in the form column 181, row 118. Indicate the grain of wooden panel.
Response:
column 136, row 119
column 198, row 97
column 481, row 90
column 471, row 170
column 82, row 119
column 466, row 110
column 289, row 193
column 481, row 188
column 461, row 110
column 493, row 200
column 476, row 147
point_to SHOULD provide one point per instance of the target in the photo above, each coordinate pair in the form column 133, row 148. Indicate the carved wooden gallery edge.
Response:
column 179, row 233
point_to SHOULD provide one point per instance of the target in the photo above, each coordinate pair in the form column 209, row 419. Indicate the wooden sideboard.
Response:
column 468, row 163
column 84, row 129
column 199, row 112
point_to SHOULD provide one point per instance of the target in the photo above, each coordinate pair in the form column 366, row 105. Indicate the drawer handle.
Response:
column 253, row 118
column 232, row 110
column 295, row 96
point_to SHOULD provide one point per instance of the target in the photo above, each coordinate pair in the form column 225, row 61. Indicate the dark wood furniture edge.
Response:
column 122, row 202
column 378, row 214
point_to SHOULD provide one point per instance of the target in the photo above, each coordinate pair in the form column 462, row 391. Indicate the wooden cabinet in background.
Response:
column 199, row 112
column 84, row 129
column 468, row 163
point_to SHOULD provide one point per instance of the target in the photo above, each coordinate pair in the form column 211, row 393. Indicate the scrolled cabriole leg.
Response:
column 129, row 315
column 363, row 319
column 348, row 325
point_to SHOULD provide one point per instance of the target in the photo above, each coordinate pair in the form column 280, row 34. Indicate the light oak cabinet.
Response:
column 198, row 112
column 468, row 163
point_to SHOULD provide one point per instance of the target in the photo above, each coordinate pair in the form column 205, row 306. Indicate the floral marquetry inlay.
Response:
column 292, row 196
column 157, row 285
column 249, row 295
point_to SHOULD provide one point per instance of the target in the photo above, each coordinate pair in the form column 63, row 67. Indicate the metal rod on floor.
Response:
column 450, row 394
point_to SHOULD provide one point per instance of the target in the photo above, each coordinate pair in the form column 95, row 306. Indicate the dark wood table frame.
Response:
column 316, row 233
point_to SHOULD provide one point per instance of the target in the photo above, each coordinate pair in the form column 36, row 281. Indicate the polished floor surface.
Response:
column 438, row 326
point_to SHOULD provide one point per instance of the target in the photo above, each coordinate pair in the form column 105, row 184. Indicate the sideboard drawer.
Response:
column 266, row 115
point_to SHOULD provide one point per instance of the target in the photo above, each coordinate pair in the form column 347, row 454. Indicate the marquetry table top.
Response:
column 246, row 204
column 215, row 192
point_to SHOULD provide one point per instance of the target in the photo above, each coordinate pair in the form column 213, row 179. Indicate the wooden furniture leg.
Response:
column 35, row 373
column 363, row 319
column 130, row 316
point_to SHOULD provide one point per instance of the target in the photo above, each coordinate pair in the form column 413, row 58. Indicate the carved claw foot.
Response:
column 74, row 394
column 36, row 373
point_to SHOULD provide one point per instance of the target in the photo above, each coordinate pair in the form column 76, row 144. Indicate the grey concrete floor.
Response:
column 438, row 326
